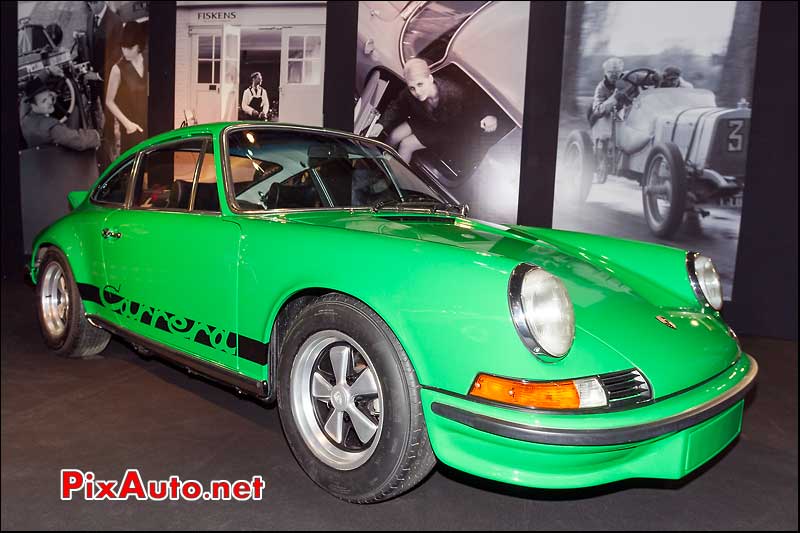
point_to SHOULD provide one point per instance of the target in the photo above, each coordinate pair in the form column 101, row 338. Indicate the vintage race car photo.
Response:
column 681, row 147
column 314, row 269
column 477, row 167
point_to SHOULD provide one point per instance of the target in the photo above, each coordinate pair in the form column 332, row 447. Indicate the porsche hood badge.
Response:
column 666, row 322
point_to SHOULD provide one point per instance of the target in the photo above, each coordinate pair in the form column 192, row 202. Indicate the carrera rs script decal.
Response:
column 186, row 328
column 229, row 342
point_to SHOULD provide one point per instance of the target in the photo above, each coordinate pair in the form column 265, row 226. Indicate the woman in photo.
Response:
column 127, row 87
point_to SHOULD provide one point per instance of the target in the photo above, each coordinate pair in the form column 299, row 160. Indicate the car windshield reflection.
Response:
column 272, row 169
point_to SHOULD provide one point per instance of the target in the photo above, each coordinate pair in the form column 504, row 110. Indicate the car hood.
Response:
column 613, row 303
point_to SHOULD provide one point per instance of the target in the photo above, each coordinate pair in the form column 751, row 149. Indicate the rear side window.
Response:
column 115, row 187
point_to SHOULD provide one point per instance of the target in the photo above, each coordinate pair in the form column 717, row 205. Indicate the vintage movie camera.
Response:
column 68, row 72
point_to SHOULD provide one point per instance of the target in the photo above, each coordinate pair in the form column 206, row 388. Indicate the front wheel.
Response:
column 349, row 403
column 60, row 310
column 664, row 189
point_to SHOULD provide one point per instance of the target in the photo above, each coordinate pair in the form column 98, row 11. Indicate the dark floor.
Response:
column 121, row 411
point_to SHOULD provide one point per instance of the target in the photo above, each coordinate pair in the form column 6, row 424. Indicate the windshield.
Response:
column 284, row 169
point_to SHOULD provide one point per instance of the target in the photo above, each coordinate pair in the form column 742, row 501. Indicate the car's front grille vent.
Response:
column 625, row 387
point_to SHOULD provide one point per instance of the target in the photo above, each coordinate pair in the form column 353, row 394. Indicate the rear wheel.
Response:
column 579, row 160
column 349, row 403
column 60, row 310
column 664, row 190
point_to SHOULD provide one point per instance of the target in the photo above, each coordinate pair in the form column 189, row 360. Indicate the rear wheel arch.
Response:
column 48, row 246
column 76, row 257
column 39, row 255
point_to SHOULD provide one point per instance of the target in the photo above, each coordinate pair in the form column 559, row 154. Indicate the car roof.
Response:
column 214, row 129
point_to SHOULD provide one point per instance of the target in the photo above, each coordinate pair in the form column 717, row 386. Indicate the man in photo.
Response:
column 103, row 30
column 427, row 115
column 255, row 103
column 39, row 128
column 605, row 100
column 671, row 77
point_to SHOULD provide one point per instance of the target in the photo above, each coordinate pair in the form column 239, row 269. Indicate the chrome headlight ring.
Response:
column 542, row 312
column 704, row 279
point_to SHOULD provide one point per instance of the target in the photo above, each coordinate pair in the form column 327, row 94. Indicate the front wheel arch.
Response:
column 292, row 305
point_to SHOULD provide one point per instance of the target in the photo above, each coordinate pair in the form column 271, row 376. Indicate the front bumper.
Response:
column 666, row 439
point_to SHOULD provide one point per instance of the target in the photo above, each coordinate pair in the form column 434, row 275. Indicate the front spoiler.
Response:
column 602, row 437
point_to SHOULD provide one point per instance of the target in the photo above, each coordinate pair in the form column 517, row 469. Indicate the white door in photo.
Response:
column 302, row 73
column 206, row 73
column 231, row 38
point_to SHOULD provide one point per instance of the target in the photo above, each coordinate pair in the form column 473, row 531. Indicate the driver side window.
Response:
column 166, row 178
column 115, row 187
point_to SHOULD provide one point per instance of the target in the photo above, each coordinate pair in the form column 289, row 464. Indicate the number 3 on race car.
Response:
column 735, row 137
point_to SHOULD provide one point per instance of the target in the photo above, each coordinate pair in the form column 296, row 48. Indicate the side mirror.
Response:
column 76, row 198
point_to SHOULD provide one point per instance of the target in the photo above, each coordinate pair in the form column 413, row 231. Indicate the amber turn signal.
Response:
column 543, row 395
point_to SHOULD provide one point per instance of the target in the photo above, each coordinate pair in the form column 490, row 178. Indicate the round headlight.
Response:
column 542, row 311
column 705, row 278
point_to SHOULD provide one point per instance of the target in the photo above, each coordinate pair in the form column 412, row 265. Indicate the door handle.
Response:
column 109, row 234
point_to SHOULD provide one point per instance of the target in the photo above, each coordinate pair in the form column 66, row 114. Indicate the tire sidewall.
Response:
column 367, row 480
column 63, row 343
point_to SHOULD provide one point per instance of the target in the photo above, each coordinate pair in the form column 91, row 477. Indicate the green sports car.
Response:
column 315, row 269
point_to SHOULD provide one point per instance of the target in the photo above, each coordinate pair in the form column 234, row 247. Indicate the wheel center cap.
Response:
column 340, row 397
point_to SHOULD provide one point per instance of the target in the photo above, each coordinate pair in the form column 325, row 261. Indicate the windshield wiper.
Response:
column 387, row 203
column 447, row 207
column 436, row 205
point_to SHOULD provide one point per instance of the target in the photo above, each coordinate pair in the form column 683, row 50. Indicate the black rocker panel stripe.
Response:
column 253, row 350
column 250, row 349
column 89, row 293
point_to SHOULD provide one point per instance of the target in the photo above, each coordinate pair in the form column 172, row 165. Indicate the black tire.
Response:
column 399, row 454
column 69, row 334
column 579, row 163
column 668, row 185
